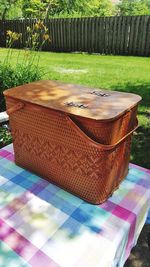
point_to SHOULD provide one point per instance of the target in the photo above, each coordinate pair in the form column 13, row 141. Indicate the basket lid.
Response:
column 73, row 99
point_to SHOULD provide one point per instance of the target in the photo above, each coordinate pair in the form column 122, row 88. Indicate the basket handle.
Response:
column 15, row 108
column 94, row 143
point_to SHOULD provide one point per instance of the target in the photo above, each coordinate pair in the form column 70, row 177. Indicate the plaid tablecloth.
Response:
column 41, row 225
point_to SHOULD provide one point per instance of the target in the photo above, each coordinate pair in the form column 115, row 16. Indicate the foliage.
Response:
column 27, row 68
column 82, row 8
column 36, row 8
column 15, row 12
column 11, row 77
column 57, row 8
column 134, row 7
column 5, row 137
column 37, row 36
column 41, row 9
column 13, row 9
column 5, row 6
column 103, row 8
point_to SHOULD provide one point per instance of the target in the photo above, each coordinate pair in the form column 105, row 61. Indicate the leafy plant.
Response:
column 27, row 69
column 5, row 6
column 11, row 77
column 134, row 7
column 5, row 137
column 43, row 9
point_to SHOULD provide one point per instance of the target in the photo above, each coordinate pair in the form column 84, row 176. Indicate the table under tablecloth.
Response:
column 42, row 225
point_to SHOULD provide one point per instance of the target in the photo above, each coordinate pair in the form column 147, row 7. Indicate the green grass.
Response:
column 122, row 73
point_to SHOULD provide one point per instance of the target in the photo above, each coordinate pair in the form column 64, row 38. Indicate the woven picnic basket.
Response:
column 73, row 136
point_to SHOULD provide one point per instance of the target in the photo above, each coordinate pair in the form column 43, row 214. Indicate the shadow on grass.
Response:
column 142, row 89
column 140, row 153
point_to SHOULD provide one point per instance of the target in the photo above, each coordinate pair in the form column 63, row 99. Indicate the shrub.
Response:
column 26, row 70
column 5, row 137
column 11, row 77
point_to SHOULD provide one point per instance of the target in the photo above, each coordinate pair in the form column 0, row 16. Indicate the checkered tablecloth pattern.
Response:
column 42, row 225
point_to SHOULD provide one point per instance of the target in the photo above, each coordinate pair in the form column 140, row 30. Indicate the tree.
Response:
column 37, row 8
column 83, row 8
column 49, row 8
column 134, row 7
column 103, row 8
column 5, row 6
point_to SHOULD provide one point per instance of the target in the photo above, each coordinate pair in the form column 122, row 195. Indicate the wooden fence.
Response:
column 128, row 35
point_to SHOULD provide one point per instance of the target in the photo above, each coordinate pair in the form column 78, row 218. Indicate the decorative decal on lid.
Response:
column 99, row 93
column 78, row 105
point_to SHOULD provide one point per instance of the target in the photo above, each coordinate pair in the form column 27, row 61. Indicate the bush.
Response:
column 5, row 80
column 5, row 137
column 27, row 70
column 11, row 77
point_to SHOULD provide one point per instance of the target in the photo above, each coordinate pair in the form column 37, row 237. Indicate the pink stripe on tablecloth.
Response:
column 44, row 261
column 24, row 247
column 16, row 242
column 11, row 157
column 130, row 217
column 125, row 215
column 15, row 205
column 7, row 154
column 4, row 153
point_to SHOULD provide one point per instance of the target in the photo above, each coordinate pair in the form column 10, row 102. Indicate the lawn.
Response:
column 122, row 73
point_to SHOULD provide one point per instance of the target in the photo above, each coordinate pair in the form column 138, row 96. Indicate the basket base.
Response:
column 94, row 201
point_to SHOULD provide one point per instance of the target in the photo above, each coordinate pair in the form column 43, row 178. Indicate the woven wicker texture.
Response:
column 51, row 144
column 108, row 132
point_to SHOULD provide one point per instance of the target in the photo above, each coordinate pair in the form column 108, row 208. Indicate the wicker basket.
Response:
column 86, row 156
